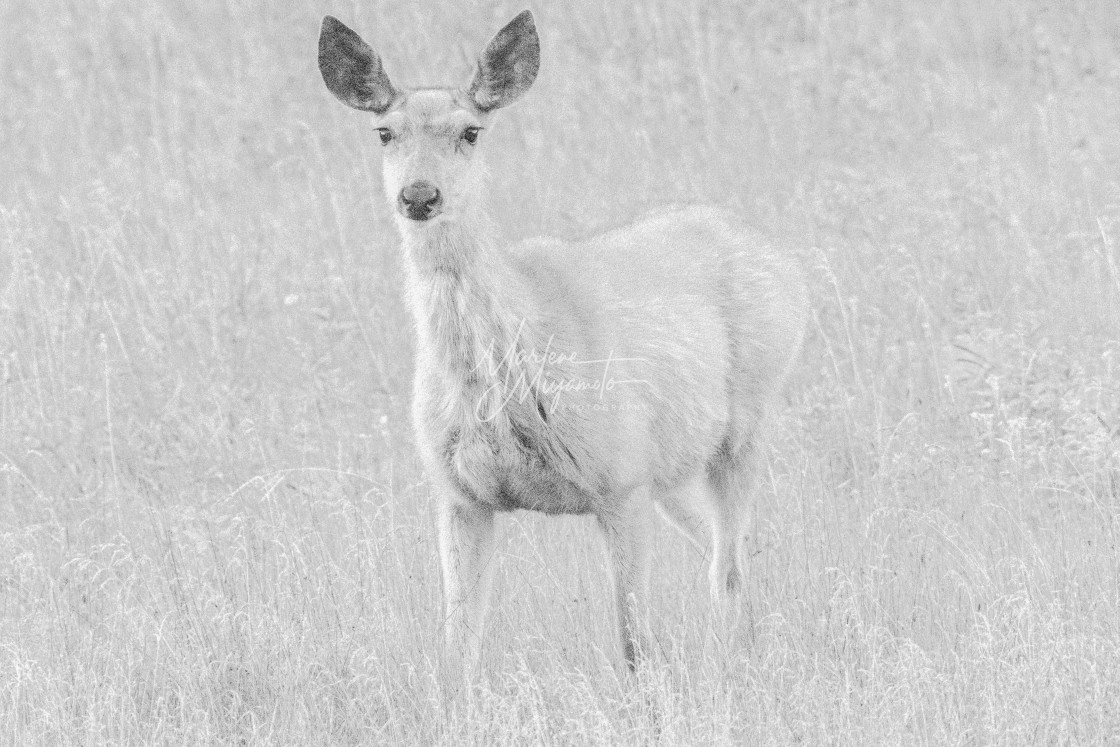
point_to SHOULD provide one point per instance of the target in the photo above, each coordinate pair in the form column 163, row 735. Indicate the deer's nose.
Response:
column 420, row 200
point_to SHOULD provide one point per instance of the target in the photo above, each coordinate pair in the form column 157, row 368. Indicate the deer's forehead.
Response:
column 434, row 110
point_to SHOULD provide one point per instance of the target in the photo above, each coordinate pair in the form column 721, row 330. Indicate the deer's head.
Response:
column 430, row 134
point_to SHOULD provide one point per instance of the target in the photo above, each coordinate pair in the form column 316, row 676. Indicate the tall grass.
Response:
column 212, row 524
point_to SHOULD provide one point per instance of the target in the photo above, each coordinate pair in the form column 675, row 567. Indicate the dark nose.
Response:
column 420, row 200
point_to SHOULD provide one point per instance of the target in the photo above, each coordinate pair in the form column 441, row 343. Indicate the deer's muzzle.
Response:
column 419, row 201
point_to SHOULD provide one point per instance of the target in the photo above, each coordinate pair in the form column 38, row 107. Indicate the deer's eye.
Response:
column 471, row 134
column 385, row 134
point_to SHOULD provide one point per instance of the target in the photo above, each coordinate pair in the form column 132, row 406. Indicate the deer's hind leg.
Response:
column 731, row 475
column 711, row 511
column 689, row 508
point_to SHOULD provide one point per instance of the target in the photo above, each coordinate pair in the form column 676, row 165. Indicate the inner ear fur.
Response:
column 508, row 65
column 352, row 70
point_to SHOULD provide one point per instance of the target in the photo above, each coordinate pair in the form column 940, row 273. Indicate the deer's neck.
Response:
column 465, row 301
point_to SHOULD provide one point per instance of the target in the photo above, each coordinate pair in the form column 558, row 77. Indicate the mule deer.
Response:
column 605, row 377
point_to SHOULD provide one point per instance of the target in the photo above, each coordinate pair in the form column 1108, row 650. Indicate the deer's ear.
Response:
column 352, row 70
column 508, row 66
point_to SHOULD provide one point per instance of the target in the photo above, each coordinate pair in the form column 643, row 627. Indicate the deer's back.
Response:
column 697, row 313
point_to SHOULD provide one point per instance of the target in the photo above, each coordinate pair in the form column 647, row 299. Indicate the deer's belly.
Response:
column 548, row 493
column 510, row 476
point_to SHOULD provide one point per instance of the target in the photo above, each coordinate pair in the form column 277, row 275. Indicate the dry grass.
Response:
column 212, row 525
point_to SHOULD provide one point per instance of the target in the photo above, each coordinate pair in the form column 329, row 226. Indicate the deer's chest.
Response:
column 509, row 466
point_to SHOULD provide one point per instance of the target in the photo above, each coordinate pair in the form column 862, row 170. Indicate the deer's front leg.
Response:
column 628, row 533
column 466, row 543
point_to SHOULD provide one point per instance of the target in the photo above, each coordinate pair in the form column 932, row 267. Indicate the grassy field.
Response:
column 213, row 526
